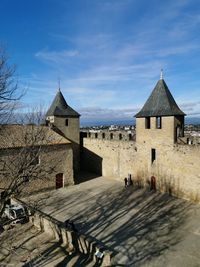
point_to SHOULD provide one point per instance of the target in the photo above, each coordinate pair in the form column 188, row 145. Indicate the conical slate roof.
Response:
column 160, row 103
column 59, row 107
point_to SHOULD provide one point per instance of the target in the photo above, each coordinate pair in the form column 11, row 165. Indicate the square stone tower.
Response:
column 65, row 121
column 158, row 124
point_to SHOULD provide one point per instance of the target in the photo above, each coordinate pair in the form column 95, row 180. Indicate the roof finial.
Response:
column 161, row 74
column 59, row 84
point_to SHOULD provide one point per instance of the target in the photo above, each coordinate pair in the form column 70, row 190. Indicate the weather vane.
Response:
column 161, row 74
column 59, row 83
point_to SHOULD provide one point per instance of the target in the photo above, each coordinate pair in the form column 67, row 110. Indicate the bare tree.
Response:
column 22, row 147
column 9, row 93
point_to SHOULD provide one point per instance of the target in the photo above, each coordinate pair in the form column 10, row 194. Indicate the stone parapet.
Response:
column 74, row 242
column 109, row 135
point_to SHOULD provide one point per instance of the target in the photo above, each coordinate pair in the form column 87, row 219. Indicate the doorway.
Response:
column 59, row 180
column 153, row 183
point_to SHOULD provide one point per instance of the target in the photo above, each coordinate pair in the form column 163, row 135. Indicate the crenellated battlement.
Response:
column 112, row 136
column 126, row 136
column 189, row 140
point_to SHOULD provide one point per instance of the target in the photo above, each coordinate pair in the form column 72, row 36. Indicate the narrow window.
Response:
column 96, row 135
column 147, row 123
column 103, row 135
column 153, row 155
column 111, row 136
column 158, row 122
column 120, row 136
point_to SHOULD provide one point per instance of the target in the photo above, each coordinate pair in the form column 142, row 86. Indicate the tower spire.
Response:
column 59, row 84
column 161, row 74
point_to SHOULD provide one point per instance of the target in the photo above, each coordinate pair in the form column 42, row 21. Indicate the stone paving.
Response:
column 141, row 228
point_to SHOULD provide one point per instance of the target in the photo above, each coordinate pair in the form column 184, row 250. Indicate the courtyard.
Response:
column 141, row 228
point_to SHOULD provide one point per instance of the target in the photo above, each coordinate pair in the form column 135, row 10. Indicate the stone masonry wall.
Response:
column 54, row 159
column 110, row 158
column 176, row 168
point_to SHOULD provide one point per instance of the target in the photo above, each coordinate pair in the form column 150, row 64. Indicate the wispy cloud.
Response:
column 107, row 114
column 112, row 53
column 56, row 56
column 191, row 108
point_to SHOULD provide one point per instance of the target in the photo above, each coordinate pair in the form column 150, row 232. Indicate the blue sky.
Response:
column 107, row 53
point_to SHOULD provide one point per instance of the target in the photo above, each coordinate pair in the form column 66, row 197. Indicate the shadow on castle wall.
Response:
column 165, row 183
column 91, row 166
column 91, row 162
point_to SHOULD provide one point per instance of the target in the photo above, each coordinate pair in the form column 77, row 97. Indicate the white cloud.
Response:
column 191, row 108
column 56, row 56
column 107, row 114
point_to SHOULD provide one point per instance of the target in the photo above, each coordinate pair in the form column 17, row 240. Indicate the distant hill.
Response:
column 107, row 122
column 86, row 122
column 192, row 120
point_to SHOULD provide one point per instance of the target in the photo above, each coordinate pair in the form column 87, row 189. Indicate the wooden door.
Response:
column 59, row 180
column 153, row 183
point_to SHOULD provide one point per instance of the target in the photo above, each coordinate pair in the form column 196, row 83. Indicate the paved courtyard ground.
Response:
column 141, row 228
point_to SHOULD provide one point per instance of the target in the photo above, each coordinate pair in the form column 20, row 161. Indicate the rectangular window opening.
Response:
column 66, row 122
column 158, row 122
column 147, row 122
column 153, row 155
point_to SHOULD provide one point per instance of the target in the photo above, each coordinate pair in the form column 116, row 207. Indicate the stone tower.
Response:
column 160, row 119
column 158, row 124
column 65, row 121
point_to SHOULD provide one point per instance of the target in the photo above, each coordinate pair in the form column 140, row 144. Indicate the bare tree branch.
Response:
column 21, row 148
column 9, row 91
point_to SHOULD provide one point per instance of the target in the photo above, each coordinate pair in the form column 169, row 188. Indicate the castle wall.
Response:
column 54, row 159
column 110, row 158
column 109, row 154
column 176, row 167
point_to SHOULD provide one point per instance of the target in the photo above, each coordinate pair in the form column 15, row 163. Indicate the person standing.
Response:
column 125, row 182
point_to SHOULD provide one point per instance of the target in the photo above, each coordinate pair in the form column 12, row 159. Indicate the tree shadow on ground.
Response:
column 137, row 225
column 15, row 242
column 139, row 229
column 57, row 253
